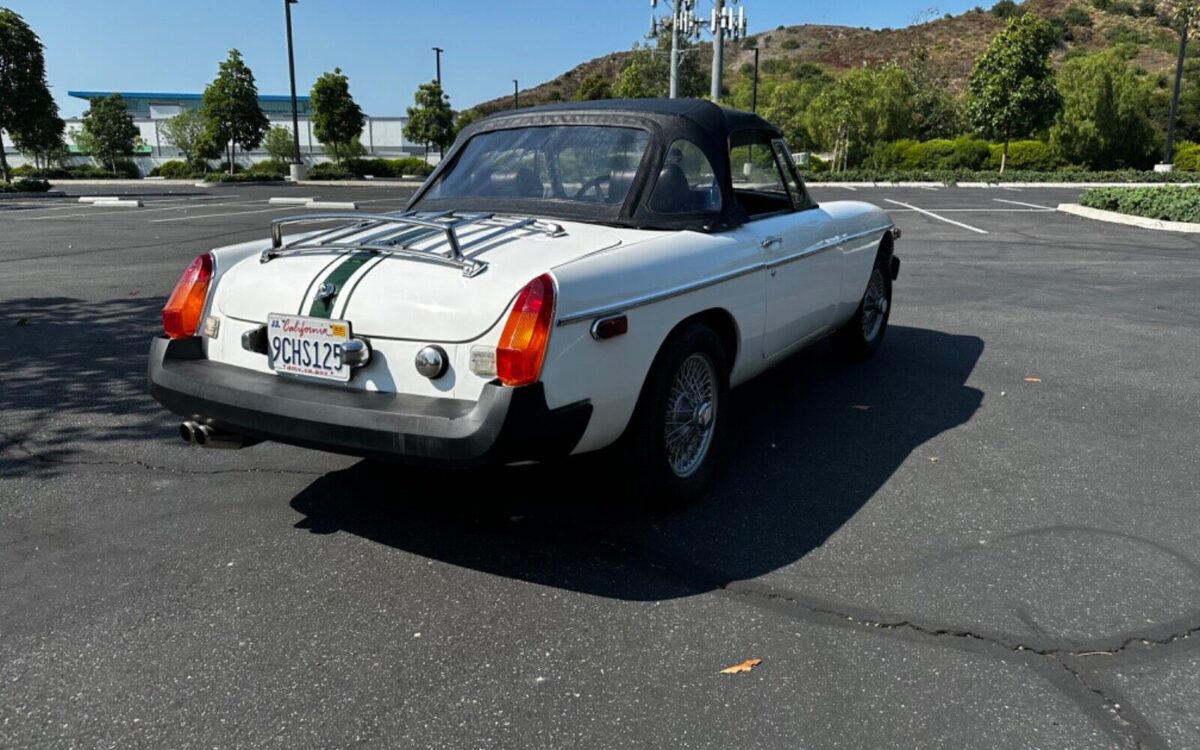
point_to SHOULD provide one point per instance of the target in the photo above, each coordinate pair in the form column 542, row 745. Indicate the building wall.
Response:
column 383, row 137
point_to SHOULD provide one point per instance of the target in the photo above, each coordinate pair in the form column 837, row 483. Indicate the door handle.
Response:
column 770, row 242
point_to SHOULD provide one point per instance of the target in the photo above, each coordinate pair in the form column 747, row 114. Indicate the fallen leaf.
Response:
column 861, row 407
column 745, row 666
column 1033, row 380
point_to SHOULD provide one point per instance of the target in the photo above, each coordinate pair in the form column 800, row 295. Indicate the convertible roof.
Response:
column 700, row 111
column 708, row 126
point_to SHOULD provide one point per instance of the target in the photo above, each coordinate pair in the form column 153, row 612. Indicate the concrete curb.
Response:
column 131, row 183
column 1113, row 217
column 1081, row 185
column 360, row 183
column 46, row 194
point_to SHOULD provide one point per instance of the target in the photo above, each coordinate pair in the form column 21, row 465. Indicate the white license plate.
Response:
column 311, row 347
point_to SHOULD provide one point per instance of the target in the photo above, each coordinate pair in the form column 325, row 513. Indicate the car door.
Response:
column 802, row 279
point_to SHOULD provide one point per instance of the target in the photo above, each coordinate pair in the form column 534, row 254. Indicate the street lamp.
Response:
column 297, row 168
column 438, row 52
column 516, row 96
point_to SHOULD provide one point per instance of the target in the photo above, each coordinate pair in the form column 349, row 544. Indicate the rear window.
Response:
column 579, row 163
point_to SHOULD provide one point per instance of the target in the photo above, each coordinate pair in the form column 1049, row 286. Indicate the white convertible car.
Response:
column 570, row 278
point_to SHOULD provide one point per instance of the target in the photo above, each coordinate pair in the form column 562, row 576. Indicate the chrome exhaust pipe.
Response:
column 207, row 436
column 203, row 433
column 187, row 431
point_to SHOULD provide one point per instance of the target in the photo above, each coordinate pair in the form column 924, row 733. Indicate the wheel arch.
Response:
column 722, row 322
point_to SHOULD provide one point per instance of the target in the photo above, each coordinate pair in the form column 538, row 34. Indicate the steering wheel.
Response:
column 593, row 184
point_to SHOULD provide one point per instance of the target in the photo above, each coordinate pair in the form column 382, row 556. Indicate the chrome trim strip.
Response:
column 649, row 299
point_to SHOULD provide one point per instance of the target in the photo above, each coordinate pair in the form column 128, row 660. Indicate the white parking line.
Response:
column 932, row 215
column 847, row 187
column 228, row 213
column 926, row 187
column 1015, row 190
column 1019, row 203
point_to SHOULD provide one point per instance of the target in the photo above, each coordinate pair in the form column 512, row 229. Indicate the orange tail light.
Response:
column 526, row 333
column 181, row 316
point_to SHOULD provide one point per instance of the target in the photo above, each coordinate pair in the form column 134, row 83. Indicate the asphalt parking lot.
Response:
column 1001, row 550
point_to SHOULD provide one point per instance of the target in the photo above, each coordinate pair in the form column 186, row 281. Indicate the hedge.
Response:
column 1169, row 203
column 247, row 176
column 24, row 185
column 951, row 177
column 126, row 170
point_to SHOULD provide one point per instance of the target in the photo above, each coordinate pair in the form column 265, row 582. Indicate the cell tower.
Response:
column 684, row 23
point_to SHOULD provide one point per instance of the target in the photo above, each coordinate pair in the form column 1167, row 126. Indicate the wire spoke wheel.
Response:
column 875, row 305
column 691, row 414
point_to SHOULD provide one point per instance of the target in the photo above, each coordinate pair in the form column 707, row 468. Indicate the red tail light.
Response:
column 181, row 316
column 523, row 344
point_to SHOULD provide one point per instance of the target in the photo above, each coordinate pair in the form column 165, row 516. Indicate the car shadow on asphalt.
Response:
column 809, row 444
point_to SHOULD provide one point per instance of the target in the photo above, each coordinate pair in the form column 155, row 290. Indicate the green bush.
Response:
column 411, row 167
column 276, row 168
column 329, row 171
column 1187, row 157
column 51, row 173
column 25, row 185
column 381, row 168
column 247, row 176
column 1034, row 156
column 1167, row 203
column 950, row 177
column 1076, row 15
column 939, row 154
column 176, row 170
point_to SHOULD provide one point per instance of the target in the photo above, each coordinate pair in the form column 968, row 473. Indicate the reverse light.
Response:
column 522, row 346
column 181, row 315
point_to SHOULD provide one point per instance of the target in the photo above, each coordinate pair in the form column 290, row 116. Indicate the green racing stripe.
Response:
column 322, row 307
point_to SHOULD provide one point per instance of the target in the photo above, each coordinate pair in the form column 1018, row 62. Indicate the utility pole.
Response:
column 297, row 168
column 516, row 96
column 685, row 24
column 754, row 87
column 437, row 51
column 1169, row 157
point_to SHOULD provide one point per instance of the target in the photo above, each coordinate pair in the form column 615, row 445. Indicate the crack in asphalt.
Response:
column 31, row 454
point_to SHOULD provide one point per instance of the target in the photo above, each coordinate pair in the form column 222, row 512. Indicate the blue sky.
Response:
column 383, row 45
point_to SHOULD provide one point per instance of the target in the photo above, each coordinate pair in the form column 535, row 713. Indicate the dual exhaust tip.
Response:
column 206, row 436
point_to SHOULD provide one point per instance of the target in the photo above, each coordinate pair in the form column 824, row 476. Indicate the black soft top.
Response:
column 707, row 125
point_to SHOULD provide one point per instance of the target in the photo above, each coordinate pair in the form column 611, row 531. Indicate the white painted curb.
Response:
column 117, row 203
column 98, row 198
column 339, row 205
column 289, row 201
column 1113, row 217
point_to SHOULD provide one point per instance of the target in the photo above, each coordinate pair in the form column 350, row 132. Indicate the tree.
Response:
column 230, row 108
column 632, row 82
column 25, row 102
column 786, row 104
column 1011, row 91
column 187, row 132
column 465, row 118
column 1104, row 122
column 648, row 72
column 935, row 108
column 431, row 121
column 108, row 130
column 864, row 107
column 337, row 119
column 278, row 143
column 42, row 137
column 594, row 87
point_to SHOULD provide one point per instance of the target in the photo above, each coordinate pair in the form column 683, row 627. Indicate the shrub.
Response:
column 25, row 185
column 372, row 167
column 269, row 168
column 1006, row 9
column 411, row 167
column 1076, row 15
column 50, row 173
column 246, row 176
column 945, row 154
column 1187, row 157
column 790, row 44
column 176, row 170
column 1026, row 155
column 1167, row 203
column 950, row 177
column 329, row 171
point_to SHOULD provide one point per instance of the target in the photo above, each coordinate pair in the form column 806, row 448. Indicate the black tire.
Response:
column 861, row 336
column 644, row 446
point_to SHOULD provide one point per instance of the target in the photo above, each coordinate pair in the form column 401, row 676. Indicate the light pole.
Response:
column 437, row 51
column 297, row 168
column 1169, row 157
column 754, row 88
column 516, row 96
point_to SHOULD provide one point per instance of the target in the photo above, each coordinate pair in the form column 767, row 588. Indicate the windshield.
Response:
column 583, row 164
